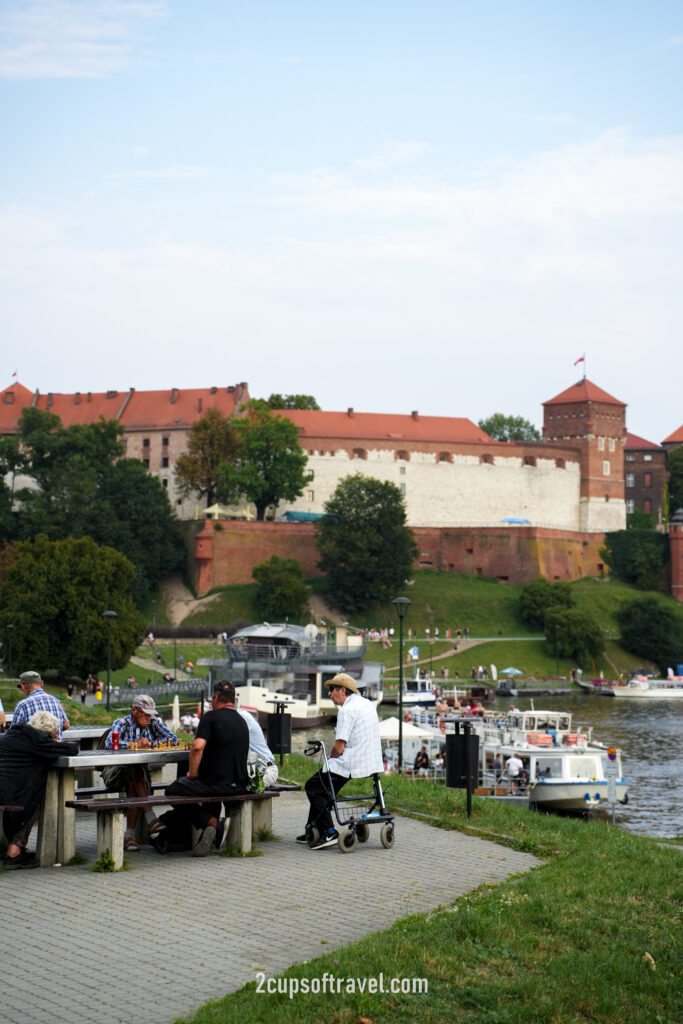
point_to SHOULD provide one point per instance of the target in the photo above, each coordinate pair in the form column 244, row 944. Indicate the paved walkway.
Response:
column 158, row 941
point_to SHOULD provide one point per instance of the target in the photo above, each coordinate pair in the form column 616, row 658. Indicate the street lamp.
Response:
column 109, row 616
column 401, row 604
column 10, row 631
column 175, row 656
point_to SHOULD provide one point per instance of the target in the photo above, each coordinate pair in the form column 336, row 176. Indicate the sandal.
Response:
column 154, row 827
column 130, row 844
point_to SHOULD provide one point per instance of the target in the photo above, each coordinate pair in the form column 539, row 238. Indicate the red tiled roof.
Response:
column 176, row 408
column 13, row 400
column 675, row 438
column 633, row 441
column 385, row 427
column 584, row 391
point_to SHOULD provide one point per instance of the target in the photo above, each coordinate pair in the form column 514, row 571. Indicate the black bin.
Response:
column 280, row 732
column 462, row 760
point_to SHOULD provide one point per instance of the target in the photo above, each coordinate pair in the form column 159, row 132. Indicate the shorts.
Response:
column 116, row 778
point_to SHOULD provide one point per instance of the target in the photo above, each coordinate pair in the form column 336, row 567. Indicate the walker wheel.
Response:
column 348, row 841
column 312, row 835
column 386, row 835
column 363, row 832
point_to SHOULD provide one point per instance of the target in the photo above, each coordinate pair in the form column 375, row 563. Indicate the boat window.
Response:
column 530, row 723
column 564, row 723
column 549, row 767
column 583, row 767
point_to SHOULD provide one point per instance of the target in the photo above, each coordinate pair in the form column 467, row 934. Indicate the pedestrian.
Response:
column 84, row 694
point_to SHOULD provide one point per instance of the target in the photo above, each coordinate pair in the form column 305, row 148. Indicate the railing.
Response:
column 290, row 652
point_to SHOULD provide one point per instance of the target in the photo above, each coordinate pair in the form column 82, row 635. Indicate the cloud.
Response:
column 70, row 39
column 393, row 155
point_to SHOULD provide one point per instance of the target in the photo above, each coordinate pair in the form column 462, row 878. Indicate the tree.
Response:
column 509, row 428
column 54, row 592
column 640, row 520
column 292, row 402
column 365, row 547
column 212, row 441
column 537, row 597
column 572, row 633
column 84, row 488
column 282, row 593
column 11, row 463
column 652, row 630
column 674, row 464
column 636, row 556
column 270, row 464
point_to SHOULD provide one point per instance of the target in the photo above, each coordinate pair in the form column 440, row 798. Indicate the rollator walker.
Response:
column 354, row 814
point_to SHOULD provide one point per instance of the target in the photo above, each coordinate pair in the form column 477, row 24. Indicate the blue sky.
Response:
column 393, row 206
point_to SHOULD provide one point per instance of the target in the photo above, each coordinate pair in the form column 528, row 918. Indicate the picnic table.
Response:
column 57, row 822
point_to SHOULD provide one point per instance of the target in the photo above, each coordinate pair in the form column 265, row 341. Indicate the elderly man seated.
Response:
column 25, row 755
column 144, row 728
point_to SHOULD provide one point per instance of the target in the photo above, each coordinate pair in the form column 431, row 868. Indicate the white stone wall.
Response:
column 463, row 492
column 600, row 516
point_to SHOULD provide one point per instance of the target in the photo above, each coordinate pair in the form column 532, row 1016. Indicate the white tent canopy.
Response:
column 388, row 730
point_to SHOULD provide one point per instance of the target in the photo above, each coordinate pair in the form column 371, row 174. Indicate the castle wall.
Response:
column 226, row 551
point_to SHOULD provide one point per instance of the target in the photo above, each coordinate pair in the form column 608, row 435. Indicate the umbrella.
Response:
column 175, row 714
column 511, row 672
column 388, row 730
column 518, row 520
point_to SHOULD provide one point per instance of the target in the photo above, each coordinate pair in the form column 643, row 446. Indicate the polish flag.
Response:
column 579, row 360
column 14, row 374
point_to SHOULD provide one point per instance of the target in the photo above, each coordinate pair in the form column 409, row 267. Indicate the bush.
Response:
column 572, row 633
column 637, row 556
column 652, row 630
column 539, row 596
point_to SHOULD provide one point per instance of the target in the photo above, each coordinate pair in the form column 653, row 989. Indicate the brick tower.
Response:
column 676, row 539
column 588, row 419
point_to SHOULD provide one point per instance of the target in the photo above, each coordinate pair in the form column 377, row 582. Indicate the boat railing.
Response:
column 291, row 652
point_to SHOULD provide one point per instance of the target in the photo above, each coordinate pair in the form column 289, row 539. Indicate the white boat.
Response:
column 642, row 686
column 288, row 665
column 638, row 687
column 563, row 768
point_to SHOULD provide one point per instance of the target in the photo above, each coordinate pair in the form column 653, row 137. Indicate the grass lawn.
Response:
column 592, row 935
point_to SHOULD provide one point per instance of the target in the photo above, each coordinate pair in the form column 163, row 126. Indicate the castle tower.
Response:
column 676, row 538
column 587, row 418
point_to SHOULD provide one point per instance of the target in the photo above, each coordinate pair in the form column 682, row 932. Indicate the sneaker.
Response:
column 303, row 838
column 205, row 841
column 221, row 834
column 22, row 860
column 329, row 840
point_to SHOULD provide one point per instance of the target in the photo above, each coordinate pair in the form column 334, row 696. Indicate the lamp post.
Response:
column 401, row 604
column 431, row 645
column 175, row 656
column 10, row 631
column 109, row 616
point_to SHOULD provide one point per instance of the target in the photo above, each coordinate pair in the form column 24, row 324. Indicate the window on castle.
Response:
column 630, row 458
column 403, row 456
column 145, row 442
column 164, row 442
column 601, row 444
column 605, row 469
column 612, row 444
column 630, row 506
column 310, row 495
column 402, row 471
column 445, row 457
column 630, row 479
column 486, row 460
column 165, row 483
column 647, row 479
column 164, row 463
column 360, row 453
column 403, row 489
column 647, row 458
column 529, row 460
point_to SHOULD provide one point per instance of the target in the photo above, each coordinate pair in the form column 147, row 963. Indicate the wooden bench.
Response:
column 252, row 811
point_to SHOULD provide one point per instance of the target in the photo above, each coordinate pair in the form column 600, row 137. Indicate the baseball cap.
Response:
column 145, row 703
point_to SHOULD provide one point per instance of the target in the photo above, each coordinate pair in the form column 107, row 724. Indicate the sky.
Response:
column 436, row 206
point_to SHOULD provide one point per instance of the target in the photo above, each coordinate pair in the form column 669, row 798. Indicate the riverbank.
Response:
column 591, row 935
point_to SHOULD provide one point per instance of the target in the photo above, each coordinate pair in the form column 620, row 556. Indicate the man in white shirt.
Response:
column 259, row 750
column 356, row 753
column 514, row 766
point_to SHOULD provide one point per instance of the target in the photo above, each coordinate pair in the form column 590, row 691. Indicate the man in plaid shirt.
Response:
column 144, row 727
column 35, row 699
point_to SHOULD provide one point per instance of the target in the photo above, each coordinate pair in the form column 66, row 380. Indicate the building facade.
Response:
column 645, row 477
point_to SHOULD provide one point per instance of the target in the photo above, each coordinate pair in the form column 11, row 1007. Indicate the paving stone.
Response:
column 172, row 914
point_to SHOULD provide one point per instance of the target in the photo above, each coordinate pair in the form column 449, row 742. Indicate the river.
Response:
column 650, row 735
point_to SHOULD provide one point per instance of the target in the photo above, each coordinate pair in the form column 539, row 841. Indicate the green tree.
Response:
column 652, row 630
column 636, row 556
column 537, row 597
column 365, row 547
column 292, row 402
column 84, row 488
column 674, row 464
column 639, row 520
column 212, row 441
column 11, row 463
column 509, row 428
column 282, row 593
column 54, row 592
column 270, row 464
column 572, row 633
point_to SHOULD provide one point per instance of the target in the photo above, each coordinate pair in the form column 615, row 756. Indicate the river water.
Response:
column 649, row 733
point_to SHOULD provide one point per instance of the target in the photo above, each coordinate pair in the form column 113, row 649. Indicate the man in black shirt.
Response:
column 218, row 764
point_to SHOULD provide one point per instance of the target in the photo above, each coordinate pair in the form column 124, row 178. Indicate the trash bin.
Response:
column 279, row 729
column 462, row 760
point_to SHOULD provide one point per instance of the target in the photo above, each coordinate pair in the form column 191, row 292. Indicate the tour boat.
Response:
column 637, row 688
column 286, row 666
column 564, row 768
